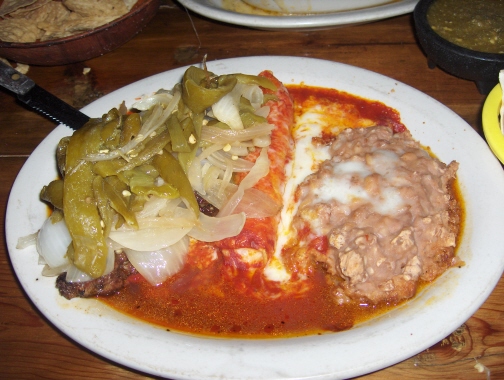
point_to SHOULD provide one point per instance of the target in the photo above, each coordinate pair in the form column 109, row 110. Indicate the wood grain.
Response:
column 30, row 347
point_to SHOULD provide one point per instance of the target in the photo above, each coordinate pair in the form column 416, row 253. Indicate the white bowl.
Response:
column 313, row 6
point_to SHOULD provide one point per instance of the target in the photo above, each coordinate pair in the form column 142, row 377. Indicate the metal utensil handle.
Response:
column 13, row 80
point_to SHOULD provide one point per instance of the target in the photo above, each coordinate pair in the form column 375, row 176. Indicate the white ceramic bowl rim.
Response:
column 313, row 6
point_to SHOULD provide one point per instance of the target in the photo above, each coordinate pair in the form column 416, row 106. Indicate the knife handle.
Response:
column 13, row 80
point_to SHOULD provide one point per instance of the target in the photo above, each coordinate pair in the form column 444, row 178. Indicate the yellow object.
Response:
column 490, row 119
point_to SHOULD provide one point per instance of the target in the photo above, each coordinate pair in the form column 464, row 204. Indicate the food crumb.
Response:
column 86, row 70
column 481, row 368
column 22, row 68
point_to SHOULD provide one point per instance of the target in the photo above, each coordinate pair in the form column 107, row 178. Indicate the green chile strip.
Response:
column 198, row 93
column 153, row 145
column 106, row 211
column 61, row 154
column 79, row 207
column 171, row 171
column 179, row 142
column 130, row 128
column 113, row 189
column 255, row 79
column 53, row 193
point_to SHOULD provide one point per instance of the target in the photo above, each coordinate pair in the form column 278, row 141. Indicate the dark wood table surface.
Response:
column 30, row 347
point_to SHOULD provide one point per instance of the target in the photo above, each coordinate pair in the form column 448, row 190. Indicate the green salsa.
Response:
column 473, row 24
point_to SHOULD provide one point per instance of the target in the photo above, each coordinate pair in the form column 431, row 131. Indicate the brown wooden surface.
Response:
column 32, row 348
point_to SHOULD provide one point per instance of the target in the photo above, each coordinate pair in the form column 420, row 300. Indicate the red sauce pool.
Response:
column 203, row 300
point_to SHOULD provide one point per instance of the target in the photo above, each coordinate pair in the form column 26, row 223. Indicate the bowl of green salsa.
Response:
column 463, row 37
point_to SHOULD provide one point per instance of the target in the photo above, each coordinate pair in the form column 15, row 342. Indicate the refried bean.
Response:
column 388, row 210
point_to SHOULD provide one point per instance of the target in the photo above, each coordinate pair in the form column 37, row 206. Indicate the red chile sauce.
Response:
column 204, row 302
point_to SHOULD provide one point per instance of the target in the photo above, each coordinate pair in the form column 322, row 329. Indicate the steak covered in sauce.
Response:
column 101, row 286
column 389, row 213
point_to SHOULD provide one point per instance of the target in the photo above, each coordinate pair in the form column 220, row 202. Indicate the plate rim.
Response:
column 208, row 8
column 252, row 348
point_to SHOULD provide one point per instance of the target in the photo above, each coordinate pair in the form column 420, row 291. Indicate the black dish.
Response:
column 482, row 68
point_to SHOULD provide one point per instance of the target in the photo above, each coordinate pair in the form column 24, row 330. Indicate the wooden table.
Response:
column 30, row 347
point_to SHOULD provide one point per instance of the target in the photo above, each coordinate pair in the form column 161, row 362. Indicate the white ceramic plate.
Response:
column 397, row 335
column 313, row 6
column 213, row 9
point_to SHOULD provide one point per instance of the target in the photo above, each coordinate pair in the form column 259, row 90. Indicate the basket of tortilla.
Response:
column 48, row 32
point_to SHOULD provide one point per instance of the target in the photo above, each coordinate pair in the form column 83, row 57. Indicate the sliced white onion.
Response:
column 177, row 208
column 218, row 191
column 211, row 173
column 73, row 274
column 258, row 171
column 47, row 271
column 152, row 207
column 149, row 238
column 264, row 111
column 154, row 122
column 95, row 157
column 157, row 265
column 223, row 160
column 239, row 150
column 53, row 241
column 195, row 173
column 253, row 93
column 156, row 206
column 27, row 241
column 226, row 179
column 262, row 142
column 243, row 144
column 161, row 223
column 148, row 101
column 214, row 229
column 156, row 232
column 257, row 204
column 228, row 136
column 168, row 221
column 226, row 109
column 76, row 275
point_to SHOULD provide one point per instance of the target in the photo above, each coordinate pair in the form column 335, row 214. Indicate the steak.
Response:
column 101, row 286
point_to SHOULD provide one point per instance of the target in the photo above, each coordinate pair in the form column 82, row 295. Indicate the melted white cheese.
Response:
column 276, row 271
column 306, row 160
column 340, row 186
column 345, row 186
